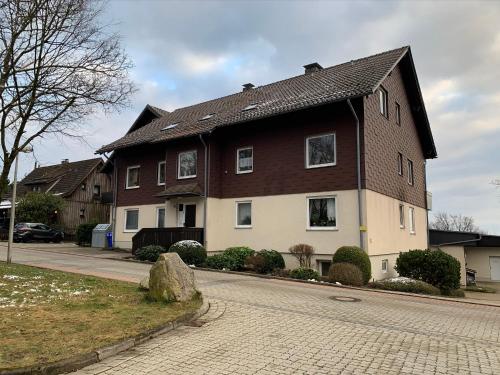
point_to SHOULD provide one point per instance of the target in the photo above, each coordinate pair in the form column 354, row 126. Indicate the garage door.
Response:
column 495, row 268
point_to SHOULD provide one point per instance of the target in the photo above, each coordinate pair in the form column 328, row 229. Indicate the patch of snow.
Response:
column 336, row 282
column 188, row 243
column 314, row 280
column 400, row 279
column 12, row 277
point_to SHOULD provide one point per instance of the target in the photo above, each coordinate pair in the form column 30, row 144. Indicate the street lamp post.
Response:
column 27, row 149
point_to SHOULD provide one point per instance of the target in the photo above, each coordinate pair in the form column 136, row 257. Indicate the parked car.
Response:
column 27, row 232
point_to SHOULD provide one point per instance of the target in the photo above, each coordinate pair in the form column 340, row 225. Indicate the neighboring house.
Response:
column 79, row 183
column 479, row 252
column 277, row 165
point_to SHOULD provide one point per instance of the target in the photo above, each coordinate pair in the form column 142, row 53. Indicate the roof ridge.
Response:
column 290, row 78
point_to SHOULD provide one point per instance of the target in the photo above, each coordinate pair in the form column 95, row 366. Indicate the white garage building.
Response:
column 476, row 251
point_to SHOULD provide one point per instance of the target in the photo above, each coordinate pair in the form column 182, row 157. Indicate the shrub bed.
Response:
column 150, row 253
column 191, row 252
column 304, row 274
column 346, row 274
column 354, row 255
column 432, row 266
column 265, row 261
column 233, row 259
column 406, row 285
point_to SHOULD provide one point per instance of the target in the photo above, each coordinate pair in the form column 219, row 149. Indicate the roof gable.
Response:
column 340, row 82
column 62, row 178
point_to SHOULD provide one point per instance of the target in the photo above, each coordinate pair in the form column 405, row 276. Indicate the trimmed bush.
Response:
column 191, row 252
column 265, row 261
column 256, row 263
column 84, row 233
column 414, row 286
column 304, row 274
column 238, row 255
column 150, row 252
column 346, row 274
column 274, row 259
column 432, row 266
column 303, row 253
column 354, row 255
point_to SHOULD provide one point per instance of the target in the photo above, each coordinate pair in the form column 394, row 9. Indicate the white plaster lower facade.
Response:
column 280, row 221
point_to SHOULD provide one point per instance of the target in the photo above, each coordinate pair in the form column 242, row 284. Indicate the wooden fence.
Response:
column 165, row 237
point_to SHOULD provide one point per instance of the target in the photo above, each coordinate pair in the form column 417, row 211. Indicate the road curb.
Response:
column 82, row 360
column 326, row 284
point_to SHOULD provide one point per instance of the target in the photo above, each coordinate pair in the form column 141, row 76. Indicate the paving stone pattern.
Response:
column 257, row 326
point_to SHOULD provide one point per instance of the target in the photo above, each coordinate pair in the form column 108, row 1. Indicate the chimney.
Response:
column 248, row 86
column 311, row 68
column 65, row 161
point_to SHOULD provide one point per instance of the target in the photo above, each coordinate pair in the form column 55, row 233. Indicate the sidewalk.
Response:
column 69, row 248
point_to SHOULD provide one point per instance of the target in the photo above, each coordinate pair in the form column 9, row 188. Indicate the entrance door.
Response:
column 190, row 218
column 186, row 215
column 495, row 268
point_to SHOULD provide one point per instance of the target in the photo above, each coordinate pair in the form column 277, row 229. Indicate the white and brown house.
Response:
column 335, row 156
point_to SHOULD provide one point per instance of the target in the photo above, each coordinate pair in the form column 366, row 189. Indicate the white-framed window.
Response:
column 244, row 160
column 161, row 172
column 400, row 163
column 385, row 265
column 401, row 215
column 244, row 214
column 411, row 178
column 132, row 181
column 398, row 114
column 321, row 151
column 382, row 100
column 187, row 164
column 411, row 219
column 322, row 213
column 160, row 217
column 131, row 220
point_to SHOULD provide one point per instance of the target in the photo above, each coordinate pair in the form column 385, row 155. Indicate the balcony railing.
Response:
column 165, row 237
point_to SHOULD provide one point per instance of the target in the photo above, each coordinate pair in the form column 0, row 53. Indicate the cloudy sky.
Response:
column 186, row 52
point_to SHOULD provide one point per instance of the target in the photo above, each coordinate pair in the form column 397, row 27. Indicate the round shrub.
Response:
column 354, row 255
column 150, row 252
column 238, row 255
column 432, row 266
column 221, row 261
column 274, row 259
column 265, row 261
column 346, row 274
column 304, row 274
column 191, row 252
column 256, row 263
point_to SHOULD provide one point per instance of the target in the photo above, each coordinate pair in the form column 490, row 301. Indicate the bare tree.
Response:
column 59, row 64
column 303, row 253
column 451, row 222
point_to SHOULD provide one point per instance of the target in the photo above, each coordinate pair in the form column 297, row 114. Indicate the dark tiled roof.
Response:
column 340, row 82
column 61, row 178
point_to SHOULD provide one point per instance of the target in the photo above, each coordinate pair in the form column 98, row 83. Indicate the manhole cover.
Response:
column 345, row 299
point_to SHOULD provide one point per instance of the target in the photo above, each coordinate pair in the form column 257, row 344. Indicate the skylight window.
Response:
column 171, row 126
column 207, row 117
column 249, row 107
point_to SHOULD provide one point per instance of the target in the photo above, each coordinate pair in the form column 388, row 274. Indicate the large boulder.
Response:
column 171, row 280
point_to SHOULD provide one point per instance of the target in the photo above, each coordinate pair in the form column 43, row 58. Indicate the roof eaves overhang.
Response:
column 105, row 149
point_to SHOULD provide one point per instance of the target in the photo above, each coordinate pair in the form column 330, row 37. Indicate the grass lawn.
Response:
column 49, row 315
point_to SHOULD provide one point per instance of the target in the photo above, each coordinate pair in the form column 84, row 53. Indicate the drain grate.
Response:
column 345, row 299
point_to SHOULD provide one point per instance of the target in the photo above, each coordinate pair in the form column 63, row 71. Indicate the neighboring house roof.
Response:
column 61, row 179
column 469, row 239
column 349, row 80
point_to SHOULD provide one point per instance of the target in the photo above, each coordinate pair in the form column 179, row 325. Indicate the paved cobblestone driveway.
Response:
column 257, row 326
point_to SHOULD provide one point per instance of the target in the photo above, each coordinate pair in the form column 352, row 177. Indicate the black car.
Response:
column 27, row 232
